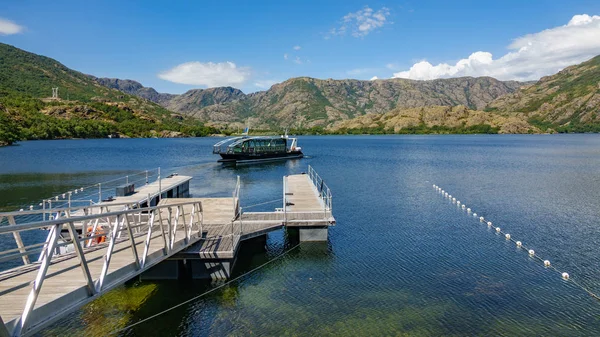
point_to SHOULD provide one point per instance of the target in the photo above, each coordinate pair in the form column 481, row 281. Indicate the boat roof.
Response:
column 239, row 139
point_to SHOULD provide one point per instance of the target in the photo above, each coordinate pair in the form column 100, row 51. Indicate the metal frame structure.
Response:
column 129, row 224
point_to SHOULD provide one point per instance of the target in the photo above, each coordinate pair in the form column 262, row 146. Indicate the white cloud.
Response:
column 297, row 60
column 361, row 23
column 374, row 78
column 207, row 74
column 8, row 27
column 297, row 47
column 265, row 84
column 285, row 56
column 530, row 57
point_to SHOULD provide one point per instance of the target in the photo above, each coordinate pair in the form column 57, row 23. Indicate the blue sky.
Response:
column 175, row 46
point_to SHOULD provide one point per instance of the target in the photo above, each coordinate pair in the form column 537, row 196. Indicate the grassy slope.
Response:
column 566, row 102
column 90, row 111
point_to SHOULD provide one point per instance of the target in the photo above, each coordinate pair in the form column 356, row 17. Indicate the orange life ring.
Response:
column 98, row 239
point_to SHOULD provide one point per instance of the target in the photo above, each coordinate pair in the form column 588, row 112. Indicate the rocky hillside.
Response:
column 568, row 101
column 435, row 119
column 84, row 108
column 134, row 88
column 306, row 102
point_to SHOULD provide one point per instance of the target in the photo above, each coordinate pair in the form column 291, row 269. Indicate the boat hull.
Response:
column 249, row 158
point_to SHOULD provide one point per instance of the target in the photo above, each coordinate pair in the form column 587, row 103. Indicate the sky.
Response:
column 174, row 46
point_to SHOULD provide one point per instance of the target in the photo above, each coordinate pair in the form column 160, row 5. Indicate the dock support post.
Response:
column 313, row 234
column 99, row 192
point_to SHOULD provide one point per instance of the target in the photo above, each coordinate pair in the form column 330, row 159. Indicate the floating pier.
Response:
column 151, row 232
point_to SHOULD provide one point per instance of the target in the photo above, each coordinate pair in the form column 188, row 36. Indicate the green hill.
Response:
column 84, row 108
column 568, row 101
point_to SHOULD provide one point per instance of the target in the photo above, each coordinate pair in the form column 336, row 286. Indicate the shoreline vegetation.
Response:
column 476, row 129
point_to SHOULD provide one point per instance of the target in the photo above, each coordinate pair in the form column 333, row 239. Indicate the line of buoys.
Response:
column 519, row 244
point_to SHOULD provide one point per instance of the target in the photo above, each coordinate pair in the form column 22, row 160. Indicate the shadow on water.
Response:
column 138, row 300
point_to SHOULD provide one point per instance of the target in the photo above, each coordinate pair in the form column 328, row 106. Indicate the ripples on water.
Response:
column 402, row 259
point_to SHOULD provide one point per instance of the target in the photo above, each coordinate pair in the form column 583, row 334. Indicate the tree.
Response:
column 9, row 131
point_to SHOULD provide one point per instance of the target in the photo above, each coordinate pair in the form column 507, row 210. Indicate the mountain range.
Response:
column 306, row 102
column 88, row 106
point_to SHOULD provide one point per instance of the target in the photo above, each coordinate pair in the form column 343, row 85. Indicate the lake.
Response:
column 402, row 259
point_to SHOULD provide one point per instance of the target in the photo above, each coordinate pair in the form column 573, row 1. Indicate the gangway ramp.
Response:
column 36, row 294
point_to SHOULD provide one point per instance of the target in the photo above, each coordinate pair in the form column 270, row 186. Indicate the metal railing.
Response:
column 100, row 231
column 97, row 192
column 236, row 198
column 26, row 216
column 91, row 194
column 322, row 188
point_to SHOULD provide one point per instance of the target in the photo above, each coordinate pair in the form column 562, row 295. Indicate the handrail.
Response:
column 236, row 198
column 170, row 221
column 47, row 223
column 54, row 210
column 324, row 191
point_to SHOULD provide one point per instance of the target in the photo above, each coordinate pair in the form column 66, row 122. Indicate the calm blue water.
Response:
column 402, row 260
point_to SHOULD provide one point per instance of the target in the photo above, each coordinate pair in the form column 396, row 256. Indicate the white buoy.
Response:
column 40, row 204
column 468, row 209
column 565, row 276
column 453, row 200
column 433, row 185
column 489, row 223
column 31, row 207
column 449, row 195
column 481, row 219
column 463, row 207
column 56, row 198
column 519, row 244
column 531, row 252
column 475, row 214
column 82, row 189
column 546, row 263
column 21, row 210
column 507, row 236
column 498, row 229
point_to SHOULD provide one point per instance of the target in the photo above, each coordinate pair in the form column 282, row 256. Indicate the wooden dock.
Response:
column 139, row 239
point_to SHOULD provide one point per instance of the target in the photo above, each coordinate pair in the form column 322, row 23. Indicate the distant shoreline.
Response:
column 4, row 144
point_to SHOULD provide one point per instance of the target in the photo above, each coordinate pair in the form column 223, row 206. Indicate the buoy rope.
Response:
column 207, row 292
column 519, row 244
